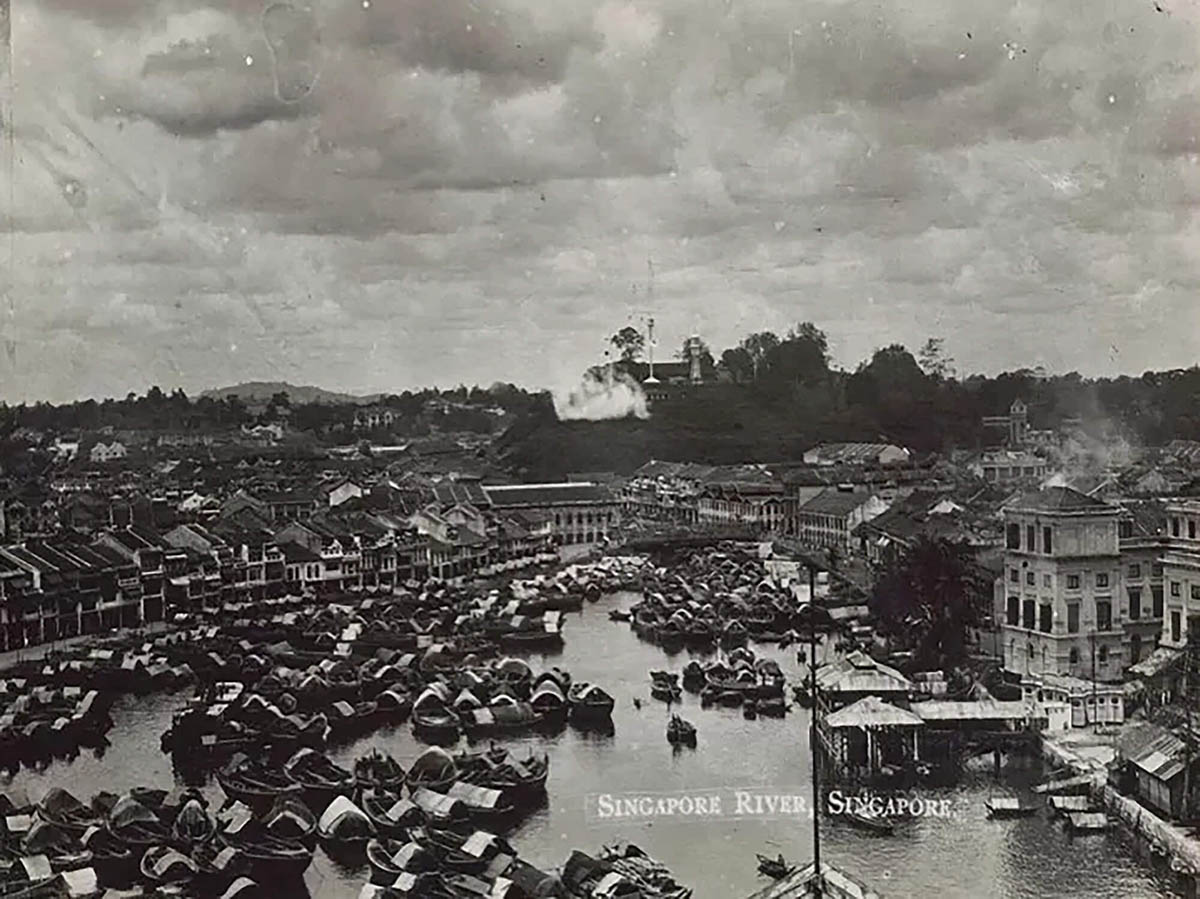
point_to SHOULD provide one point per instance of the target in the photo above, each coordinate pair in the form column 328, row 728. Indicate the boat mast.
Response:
column 818, row 880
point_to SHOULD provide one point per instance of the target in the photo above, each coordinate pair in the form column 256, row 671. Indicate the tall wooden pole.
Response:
column 818, row 880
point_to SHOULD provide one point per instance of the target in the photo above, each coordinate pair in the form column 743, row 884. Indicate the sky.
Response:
column 374, row 195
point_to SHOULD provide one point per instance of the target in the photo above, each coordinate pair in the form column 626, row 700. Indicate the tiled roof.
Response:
column 450, row 493
column 294, row 552
column 834, row 502
column 547, row 495
column 851, row 452
column 1059, row 499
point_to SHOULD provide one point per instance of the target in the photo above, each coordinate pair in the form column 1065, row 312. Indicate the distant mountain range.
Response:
column 262, row 391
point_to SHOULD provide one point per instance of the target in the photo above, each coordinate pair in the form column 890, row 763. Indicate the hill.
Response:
column 723, row 425
column 262, row 391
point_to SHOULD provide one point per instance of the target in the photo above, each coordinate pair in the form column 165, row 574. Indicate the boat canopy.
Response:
column 342, row 816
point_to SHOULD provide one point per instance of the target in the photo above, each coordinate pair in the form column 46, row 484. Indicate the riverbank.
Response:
column 1090, row 754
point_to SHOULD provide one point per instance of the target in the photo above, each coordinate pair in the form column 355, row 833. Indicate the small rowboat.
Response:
column 873, row 823
column 777, row 868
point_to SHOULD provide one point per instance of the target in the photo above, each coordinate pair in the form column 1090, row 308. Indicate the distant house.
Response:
column 1009, row 467
column 343, row 491
column 265, row 433
column 857, row 454
column 829, row 518
column 108, row 452
column 65, row 450
column 372, row 417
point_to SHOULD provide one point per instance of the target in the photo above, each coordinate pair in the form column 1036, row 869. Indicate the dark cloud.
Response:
column 474, row 191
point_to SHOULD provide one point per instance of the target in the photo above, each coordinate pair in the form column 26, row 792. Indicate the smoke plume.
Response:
column 599, row 397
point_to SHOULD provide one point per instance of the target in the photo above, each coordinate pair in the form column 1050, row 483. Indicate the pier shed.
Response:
column 1150, row 766
column 856, row 676
column 870, row 734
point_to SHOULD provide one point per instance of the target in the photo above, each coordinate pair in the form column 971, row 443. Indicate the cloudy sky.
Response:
column 379, row 194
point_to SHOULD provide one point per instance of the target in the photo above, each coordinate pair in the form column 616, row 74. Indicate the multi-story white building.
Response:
column 829, row 518
column 1181, row 573
column 1062, row 610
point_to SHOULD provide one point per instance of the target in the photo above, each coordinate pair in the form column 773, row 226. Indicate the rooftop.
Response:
column 1059, row 499
column 871, row 711
column 835, row 502
column 547, row 494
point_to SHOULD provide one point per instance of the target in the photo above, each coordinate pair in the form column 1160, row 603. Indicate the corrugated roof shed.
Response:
column 871, row 711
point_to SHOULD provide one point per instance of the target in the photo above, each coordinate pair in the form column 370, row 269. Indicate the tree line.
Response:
column 920, row 400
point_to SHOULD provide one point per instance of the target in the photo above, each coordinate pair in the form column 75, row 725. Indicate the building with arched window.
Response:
column 583, row 512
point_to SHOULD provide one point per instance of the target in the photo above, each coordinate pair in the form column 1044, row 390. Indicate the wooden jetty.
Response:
column 1068, row 805
column 1009, row 807
column 1087, row 822
column 1075, row 783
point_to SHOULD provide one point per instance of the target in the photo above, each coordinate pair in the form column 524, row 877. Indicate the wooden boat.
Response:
column 680, row 732
column 772, row 708
column 60, row 808
column 320, row 778
column 272, row 860
column 693, row 676
column 619, row 615
column 290, row 819
column 469, row 762
column 136, row 824
column 549, row 700
column 1067, row 804
column 62, row 849
column 522, row 781
column 440, row 809
column 666, row 692
column 113, row 859
column 872, row 823
column 1009, row 807
column 378, row 771
column 217, row 864
column 434, row 768
column 254, row 784
column 1087, row 822
column 487, row 806
column 391, row 858
column 394, row 705
column 344, row 824
column 436, row 725
column 163, row 865
column 465, row 852
column 420, row 886
column 192, row 825
column 774, row 867
column 589, row 703
column 390, row 813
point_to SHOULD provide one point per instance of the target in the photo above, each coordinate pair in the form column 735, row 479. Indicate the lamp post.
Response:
column 817, row 886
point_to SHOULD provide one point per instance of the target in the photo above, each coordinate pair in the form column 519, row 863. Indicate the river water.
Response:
column 965, row 855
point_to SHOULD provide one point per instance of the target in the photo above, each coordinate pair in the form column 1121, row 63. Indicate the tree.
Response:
column 757, row 346
column 934, row 359
column 930, row 598
column 630, row 343
column 281, row 400
column 737, row 362
column 800, row 358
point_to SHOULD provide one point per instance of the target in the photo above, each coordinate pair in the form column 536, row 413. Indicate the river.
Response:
column 965, row 855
